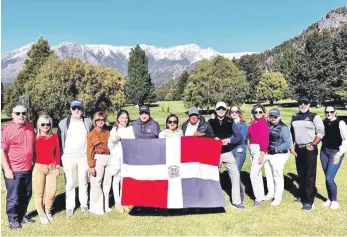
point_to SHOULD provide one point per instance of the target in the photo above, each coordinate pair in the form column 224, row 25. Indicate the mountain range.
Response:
column 163, row 63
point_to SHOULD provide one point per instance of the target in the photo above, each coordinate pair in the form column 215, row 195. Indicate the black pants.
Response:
column 19, row 192
column 306, row 166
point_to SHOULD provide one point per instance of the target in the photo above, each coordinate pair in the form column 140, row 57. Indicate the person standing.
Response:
column 46, row 169
column 72, row 132
column 145, row 127
column 258, row 132
column 334, row 145
column 276, row 157
column 17, row 148
column 239, row 150
column 172, row 129
column 307, row 130
column 196, row 125
column 225, row 129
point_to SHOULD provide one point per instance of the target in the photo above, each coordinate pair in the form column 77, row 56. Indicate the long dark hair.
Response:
column 120, row 113
column 171, row 116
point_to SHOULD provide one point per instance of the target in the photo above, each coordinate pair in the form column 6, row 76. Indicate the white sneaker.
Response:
column 268, row 198
column 334, row 205
column 326, row 203
column 276, row 202
column 43, row 219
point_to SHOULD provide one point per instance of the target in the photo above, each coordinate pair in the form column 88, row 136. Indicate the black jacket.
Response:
column 203, row 127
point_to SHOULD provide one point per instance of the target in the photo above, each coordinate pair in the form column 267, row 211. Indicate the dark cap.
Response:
column 76, row 103
column 304, row 98
column 144, row 108
column 275, row 112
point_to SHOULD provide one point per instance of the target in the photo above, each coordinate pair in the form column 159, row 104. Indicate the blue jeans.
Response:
column 240, row 158
column 330, row 170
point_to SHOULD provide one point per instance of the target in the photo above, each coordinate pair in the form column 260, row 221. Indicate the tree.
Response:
column 169, row 87
column 217, row 80
column 272, row 85
column 37, row 56
column 180, row 86
column 2, row 96
column 139, row 88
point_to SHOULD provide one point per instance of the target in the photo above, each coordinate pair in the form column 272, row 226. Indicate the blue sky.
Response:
column 227, row 26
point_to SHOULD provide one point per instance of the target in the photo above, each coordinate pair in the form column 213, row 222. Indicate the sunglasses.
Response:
column 172, row 122
column 99, row 120
column 20, row 113
column 273, row 117
column 234, row 111
column 45, row 124
column 303, row 102
column 258, row 112
column 221, row 108
column 330, row 112
column 143, row 112
column 76, row 107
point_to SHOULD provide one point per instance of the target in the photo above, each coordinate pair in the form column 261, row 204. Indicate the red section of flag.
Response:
column 202, row 150
column 144, row 193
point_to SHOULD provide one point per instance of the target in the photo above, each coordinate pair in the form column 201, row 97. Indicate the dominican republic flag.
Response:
column 171, row 173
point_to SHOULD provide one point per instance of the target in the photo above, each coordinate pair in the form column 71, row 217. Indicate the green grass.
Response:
column 286, row 219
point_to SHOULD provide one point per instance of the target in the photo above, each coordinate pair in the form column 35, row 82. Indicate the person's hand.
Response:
column 198, row 134
column 216, row 138
column 310, row 147
column 92, row 171
column 117, row 138
column 9, row 174
column 336, row 159
column 57, row 166
column 292, row 150
column 239, row 150
column 225, row 142
column 261, row 158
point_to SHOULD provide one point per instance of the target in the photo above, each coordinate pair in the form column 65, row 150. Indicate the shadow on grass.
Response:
column 149, row 211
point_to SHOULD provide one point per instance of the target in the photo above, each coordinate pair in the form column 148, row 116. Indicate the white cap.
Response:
column 221, row 104
column 19, row 108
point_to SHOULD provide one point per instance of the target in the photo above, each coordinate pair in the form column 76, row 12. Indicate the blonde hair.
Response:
column 99, row 114
column 38, row 124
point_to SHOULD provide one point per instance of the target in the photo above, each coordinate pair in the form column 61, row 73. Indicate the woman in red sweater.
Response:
column 46, row 169
column 258, row 144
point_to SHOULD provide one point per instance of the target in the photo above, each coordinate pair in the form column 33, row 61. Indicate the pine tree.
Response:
column 139, row 87
column 180, row 86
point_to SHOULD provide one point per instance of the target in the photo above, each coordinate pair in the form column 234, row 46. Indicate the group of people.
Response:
column 91, row 154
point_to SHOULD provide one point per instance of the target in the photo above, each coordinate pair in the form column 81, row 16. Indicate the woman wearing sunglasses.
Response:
column 334, row 145
column 172, row 129
column 239, row 150
column 121, row 129
column 258, row 132
column 98, row 156
column 46, row 169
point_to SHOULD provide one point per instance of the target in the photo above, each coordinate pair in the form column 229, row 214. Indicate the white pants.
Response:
column 100, row 185
column 256, row 173
column 115, row 187
column 274, row 165
column 76, row 166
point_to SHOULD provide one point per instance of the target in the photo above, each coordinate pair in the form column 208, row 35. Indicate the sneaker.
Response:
column 268, row 198
column 69, row 212
column 126, row 208
column 43, row 219
column 276, row 202
column 85, row 210
column 14, row 225
column 297, row 200
column 334, row 205
column 257, row 203
column 119, row 208
column 27, row 220
column 238, row 206
column 307, row 207
column 108, row 210
column 49, row 216
column 326, row 203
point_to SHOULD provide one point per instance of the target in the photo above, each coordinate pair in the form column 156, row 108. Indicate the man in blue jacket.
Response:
column 145, row 127
column 225, row 129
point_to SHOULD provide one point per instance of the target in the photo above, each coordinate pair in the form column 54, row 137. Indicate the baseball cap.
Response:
column 193, row 110
column 19, row 108
column 221, row 104
column 275, row 112
column 144, row 108
column 76, row 103
column 304, row 98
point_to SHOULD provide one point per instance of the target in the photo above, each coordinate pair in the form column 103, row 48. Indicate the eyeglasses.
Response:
column 76, row 107
column 99, row 120
column 304, row 102
column 20, row 113
column 172, row 122
column 45, row 124
column 331, row 112
column 273, row 117
column 258, row 112
column 234, row 111
column 221, row 108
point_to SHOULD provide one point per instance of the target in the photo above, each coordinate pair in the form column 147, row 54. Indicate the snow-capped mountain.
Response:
column 163, row 63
